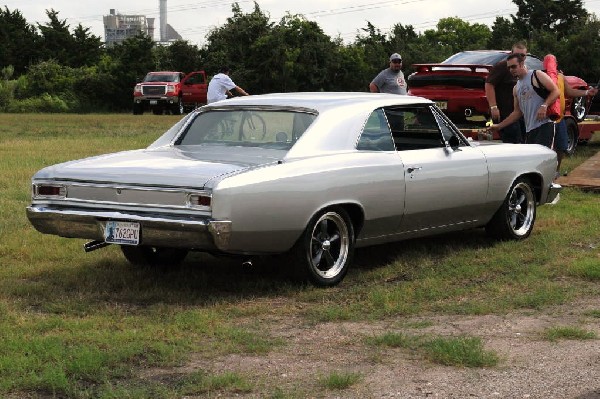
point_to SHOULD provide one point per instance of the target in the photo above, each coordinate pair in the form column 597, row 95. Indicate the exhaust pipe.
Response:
column 247, row 264
column 94, row 245
column 468, row 112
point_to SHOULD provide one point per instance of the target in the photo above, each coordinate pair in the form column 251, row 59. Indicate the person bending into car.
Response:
column 529, row 104
column 220, row 85
column 390, row 80
column 498, row 90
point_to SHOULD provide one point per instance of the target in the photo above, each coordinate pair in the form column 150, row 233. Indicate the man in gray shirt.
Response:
column 390, row 80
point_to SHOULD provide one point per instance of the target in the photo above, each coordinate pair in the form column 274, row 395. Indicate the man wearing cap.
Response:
column 390, row 80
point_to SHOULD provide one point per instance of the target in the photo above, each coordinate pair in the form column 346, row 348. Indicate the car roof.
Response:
column 322, row 101
column 340, row 115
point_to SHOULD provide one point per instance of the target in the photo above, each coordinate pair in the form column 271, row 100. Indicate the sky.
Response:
column 344, row 18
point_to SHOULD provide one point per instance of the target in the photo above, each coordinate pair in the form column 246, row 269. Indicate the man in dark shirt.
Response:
column 499, row 92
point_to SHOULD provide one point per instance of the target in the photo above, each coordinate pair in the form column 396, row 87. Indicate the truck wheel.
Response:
column 178, row 108
column 138, row 109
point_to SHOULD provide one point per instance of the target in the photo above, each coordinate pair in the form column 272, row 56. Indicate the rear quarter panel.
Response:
column 506, row 162
column 271, row 206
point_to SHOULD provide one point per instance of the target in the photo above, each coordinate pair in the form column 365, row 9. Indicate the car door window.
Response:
column 376, row 135
column 414, row 128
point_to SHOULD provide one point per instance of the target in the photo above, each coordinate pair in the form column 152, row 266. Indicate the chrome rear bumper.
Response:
column 180, row 231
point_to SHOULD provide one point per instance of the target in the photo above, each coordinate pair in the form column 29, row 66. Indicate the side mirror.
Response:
column 454, row 142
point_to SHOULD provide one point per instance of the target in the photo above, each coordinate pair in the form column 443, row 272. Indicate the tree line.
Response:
column 53, row 67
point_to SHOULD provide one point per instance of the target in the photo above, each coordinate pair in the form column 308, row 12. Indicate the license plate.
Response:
column 153, row 102
column 442, row 104
column 127, row 233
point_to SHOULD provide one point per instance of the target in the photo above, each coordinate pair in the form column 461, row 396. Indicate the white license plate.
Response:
column 442, row 104
column 127, row 233
column 153, row 102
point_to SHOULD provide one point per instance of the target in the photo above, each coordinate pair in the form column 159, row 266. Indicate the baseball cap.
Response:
column 395, row 56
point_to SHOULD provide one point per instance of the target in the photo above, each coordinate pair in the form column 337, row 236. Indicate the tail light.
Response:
column 200, row 200
column 49, row 191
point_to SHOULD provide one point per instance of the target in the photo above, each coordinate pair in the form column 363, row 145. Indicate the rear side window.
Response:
column 414, row 128
column 376, row 135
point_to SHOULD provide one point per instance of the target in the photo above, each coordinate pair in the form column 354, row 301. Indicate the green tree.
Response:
column 87, row 48
column 376, row 48
column 302, row 57
column 504, row 35
column 455, row 35
column 559, row 16
column 178, row 56
column 19, row 41
column 57, row 42
column 232, row 44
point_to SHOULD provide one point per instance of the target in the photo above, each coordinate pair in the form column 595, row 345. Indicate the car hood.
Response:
column 170, row 166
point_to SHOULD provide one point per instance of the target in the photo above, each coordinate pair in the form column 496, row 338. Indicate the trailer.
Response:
column 579, row 132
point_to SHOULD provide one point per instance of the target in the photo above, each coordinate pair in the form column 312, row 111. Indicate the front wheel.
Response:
column 325, row 250
column 153, row 256
column 178, row 109
column 515, row 218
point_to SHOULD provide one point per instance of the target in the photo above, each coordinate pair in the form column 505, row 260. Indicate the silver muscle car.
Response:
column 313, row 175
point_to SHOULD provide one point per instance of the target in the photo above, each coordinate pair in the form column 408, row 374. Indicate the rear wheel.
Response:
column 572, row 134
column 515, row 218
column 578, row 108
column 324, row 252
column 153, row 256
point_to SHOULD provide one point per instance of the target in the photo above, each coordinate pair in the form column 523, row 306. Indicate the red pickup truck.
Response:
column 168, row 91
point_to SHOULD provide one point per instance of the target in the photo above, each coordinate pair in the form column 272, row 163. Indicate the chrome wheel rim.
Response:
column 521, row 209
column 329, row 246
column 579, row 108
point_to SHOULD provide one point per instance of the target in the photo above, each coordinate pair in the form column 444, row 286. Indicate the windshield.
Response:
column 162, row 77
column 276, row 129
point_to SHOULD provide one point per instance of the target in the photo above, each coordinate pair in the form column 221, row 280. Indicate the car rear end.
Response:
column 458, row 90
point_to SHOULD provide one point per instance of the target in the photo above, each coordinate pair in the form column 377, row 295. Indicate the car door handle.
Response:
column 413, row 168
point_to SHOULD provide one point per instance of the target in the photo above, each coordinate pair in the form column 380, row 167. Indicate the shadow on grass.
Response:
column 204, row 279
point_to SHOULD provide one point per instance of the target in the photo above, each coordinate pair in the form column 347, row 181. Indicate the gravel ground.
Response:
column 530, row 366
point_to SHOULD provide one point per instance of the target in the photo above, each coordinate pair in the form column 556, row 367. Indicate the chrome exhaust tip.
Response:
column 468, row 112
column 94, row 245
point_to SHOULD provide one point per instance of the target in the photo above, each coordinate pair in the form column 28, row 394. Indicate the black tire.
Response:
column 324, row 252
column 578, row 108
column 153, row 256
column 515, row 218
column 178, row 109
column 138, row 109
column 573, row 135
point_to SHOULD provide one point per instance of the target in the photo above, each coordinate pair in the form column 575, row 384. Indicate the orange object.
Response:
column 551, row 68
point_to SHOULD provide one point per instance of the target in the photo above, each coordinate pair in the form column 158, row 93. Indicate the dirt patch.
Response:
column 530, row 366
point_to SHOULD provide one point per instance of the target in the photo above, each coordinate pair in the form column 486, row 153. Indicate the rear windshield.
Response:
column 276, row 129
column 475, row 58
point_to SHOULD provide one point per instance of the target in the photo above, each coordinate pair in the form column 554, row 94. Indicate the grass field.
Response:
column 77, row 325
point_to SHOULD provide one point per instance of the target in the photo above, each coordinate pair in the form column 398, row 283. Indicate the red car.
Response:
column 457, row 84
